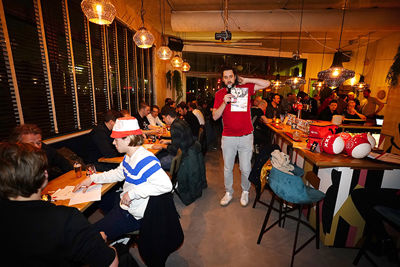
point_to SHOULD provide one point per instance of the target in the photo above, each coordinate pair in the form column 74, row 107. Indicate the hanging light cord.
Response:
column 366, row 53
column 142, row 12
column 358, row 51
column 280, row 45
column 323, row 52
column 341, row 30
column 301, row 22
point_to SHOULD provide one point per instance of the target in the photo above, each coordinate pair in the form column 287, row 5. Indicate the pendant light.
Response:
column 163, row 53
column 277, row 83
column 176, row 62
column 361, row 85
column 143, row 38
column 295, row 82
column 336, row 74
column 101, row 12
column 185, row 66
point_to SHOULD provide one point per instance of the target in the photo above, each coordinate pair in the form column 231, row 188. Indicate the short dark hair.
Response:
column 182, row 105
column 143, row 105
column 167, row 100
column 171, row 102
column 125, row 112
column 153, row 107
column 170, row 111
column 193, row 105
column 112, row 115
column 302, row 94
column 368, row 90
column 289, row 94
column 333, row 101
column 225, row 68
column 22, row 169
column 19, row 131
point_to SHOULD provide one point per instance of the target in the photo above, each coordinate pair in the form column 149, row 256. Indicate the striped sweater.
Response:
column 143, row 178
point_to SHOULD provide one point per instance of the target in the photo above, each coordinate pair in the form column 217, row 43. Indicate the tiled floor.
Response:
column 226, row 236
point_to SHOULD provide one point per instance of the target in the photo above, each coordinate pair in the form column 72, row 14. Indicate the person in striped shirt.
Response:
column 143, row 177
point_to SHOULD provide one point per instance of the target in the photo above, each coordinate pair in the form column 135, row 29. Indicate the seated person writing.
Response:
column 328, row 112
column 31, row 133
column 39, row 233
column 181, row 138
column 351, row 113
column 143, row 177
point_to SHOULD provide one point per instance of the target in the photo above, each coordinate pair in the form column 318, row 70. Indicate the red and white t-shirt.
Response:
column 236, row 123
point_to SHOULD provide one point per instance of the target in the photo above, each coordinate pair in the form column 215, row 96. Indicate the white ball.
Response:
column 361, row 150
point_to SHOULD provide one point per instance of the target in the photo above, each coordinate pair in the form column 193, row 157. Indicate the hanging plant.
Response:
column 168, row 75
column 177, row 83
column 393, row 75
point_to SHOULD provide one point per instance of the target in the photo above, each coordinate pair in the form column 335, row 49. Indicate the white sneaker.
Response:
column 244, row 199
column 226, row 199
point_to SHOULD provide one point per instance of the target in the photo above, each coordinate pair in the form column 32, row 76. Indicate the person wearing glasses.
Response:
column 153, row 118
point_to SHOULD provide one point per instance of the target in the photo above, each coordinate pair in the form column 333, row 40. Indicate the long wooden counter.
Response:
column 325, row 160
column 339, row 175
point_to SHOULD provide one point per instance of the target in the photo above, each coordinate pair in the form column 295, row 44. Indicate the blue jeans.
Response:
column 117, row 222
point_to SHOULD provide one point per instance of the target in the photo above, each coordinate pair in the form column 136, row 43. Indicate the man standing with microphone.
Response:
column 233, row 103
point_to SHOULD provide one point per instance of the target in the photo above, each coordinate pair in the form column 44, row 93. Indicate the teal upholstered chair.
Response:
column 291, row 189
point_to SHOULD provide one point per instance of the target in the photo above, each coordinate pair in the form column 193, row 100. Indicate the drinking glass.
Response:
column 78, row 169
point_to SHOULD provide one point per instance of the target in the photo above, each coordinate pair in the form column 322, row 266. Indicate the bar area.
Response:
column 200, row 133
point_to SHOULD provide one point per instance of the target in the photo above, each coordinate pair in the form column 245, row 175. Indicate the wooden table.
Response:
column 69, row 178
column 339, row 175
column 118, row 160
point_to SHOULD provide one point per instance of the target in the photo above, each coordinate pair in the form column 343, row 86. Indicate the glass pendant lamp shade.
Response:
column 277, row 83
column 101, row 12
column 176, row 61
column 164, row 53
column 336, row 74
column 361, row 85
column 143, row 38
column 185, row 67
column 295, row 82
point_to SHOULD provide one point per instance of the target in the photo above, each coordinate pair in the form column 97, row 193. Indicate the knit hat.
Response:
column 125, row 126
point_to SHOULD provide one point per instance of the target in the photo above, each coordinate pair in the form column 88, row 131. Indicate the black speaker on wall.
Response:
column 175, row 44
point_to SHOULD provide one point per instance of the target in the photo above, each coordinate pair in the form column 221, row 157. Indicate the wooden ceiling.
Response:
column 312, row 41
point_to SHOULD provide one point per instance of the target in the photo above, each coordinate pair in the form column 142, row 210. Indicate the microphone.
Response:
column 228, row 89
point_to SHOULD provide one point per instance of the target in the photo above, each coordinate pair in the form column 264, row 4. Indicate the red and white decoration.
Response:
column 369, row 137
column 333, row 144
column 345, row 136
column 358, row 146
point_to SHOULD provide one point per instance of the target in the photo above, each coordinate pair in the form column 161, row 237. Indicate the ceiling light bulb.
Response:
column 353, row 81
column 335, row 73
column 99, row 9
column 296, row 80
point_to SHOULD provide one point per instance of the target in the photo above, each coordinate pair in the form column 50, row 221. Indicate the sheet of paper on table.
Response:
column 63, row 194
column 386, row 157
column 147, row 146
column 93, row 193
